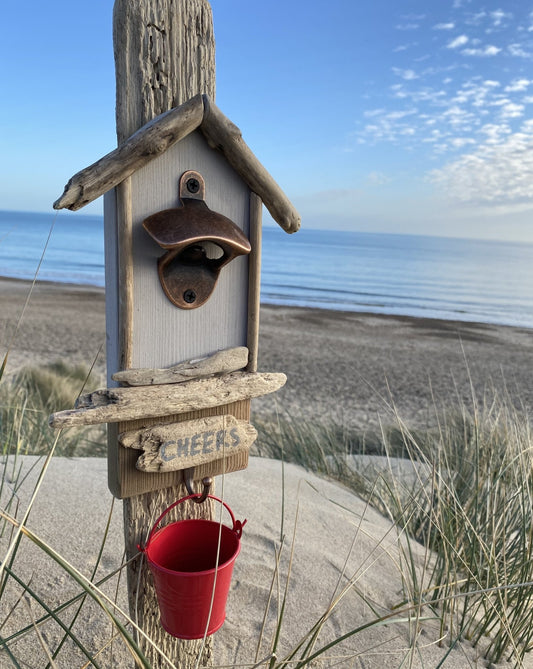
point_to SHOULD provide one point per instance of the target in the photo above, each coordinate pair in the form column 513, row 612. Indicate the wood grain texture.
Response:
column 124, row 225
column 113, row 405
column 134, row 483
column 164, row 55
column 159, row 135
column 221, row 362
column 175, row 446
column 254, row 280
column 143, row 146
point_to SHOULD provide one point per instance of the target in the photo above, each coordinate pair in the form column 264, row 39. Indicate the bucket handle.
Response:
column 237, row 524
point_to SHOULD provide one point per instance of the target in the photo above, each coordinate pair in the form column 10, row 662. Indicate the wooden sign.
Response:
column 189, row 444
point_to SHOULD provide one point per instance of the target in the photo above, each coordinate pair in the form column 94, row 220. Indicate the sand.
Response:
column 341, row 367
column 71, row 513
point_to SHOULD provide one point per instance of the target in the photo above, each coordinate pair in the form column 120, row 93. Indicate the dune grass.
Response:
column 28, row 397
column 464, row 490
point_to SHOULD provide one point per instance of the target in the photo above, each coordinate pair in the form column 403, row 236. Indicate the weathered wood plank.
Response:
column 164, row 55
column 175, row 446
column 112, row 405
column 124, row 245
column 224, row 136
column 146, row 144
column 254, row 280
column 133, row 482
column 221, row 362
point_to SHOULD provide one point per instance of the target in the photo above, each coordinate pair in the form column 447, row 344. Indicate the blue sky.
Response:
column 373, row 115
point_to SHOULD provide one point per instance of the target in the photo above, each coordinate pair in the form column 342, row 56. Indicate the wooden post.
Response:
column 181, row 338
column 164, row 55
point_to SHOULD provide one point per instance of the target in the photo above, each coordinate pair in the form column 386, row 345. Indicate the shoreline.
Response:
column 83, row 287
column 343, row 367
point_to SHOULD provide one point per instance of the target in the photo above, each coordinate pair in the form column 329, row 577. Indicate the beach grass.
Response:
column 463, row 490
column 28, row 397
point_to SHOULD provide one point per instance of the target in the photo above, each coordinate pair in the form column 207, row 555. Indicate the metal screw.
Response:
column 193, row 185
column 189, row 296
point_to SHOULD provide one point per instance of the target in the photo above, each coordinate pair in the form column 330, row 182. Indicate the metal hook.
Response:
column 188, row 475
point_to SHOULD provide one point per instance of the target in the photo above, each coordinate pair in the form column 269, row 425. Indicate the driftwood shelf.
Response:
column 114, row 405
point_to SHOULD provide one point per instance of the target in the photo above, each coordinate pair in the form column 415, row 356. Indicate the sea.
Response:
column 413, row 275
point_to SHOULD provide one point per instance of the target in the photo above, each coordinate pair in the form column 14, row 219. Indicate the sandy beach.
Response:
column 341, row 367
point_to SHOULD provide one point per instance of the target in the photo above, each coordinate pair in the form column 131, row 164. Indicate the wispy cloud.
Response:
column 519, row 51
column 407, row 26
column 499, row 171
column 518, row 85
column 459, row 41
column 408, row 75
column 465, row 94
column 512, row 110
column 486, row 51
column 377, row 179
column 498, row 17
column 405, row 47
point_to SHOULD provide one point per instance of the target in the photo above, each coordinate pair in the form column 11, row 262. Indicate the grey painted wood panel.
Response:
column 162, row 333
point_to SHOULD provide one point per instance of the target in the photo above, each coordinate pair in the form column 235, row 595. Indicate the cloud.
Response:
column 408, row 75
column 475, row 19
column 461, row 142
column 512, row 110
column 518, row 86
column 489, row 50
column 404, row 47
column 396, row 115
column 498, row 172
column 495, row 133
column 498, row 17
column 518, row 51
column 407, row 26
column 444, row 26
column 457, row 42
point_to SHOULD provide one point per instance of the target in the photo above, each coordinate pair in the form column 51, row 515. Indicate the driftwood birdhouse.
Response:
column 182, row 252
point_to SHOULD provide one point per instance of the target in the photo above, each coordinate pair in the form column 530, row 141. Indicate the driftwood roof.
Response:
column 160, row 134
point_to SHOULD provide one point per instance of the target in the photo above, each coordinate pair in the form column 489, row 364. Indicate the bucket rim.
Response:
column 237, row 524
column 195, row 574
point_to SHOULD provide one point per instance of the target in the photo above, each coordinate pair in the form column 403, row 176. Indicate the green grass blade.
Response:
column 51, row 614
column 92, row 577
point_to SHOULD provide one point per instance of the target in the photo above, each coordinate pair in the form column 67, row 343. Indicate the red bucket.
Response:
column 191, row 584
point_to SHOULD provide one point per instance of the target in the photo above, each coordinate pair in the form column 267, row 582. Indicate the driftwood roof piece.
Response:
column 147, row 143
column 160, row 134
column 224, row 136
